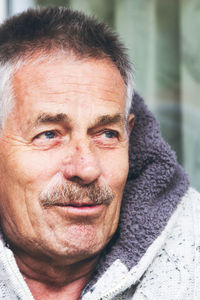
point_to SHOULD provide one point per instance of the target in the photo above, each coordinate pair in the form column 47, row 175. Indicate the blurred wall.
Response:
column 190, row 87
column 3, row 10
column 17, row 6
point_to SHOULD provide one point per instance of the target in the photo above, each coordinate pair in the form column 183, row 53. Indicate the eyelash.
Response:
column 114, row 132
column 46, row 132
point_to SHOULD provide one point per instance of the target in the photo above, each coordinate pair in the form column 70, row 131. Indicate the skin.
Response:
column 56, row 129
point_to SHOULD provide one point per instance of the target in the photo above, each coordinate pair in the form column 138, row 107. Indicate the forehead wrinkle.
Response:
column 90, row 87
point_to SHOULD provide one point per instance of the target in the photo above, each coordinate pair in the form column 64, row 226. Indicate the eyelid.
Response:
column 45, row 131
column 100, row 139
column 115, row 132
column 44, row 143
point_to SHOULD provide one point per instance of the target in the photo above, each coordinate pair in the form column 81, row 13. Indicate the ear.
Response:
column 131, row 121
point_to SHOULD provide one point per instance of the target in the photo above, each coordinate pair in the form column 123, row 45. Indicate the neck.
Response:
column 48, row 280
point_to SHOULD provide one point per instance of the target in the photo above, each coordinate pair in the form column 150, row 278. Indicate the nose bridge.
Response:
column 83, row 161
column 83, row 152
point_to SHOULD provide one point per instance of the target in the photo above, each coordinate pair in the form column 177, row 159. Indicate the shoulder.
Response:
column 192, row 195
column 188, row 219
column 175, row 271
column 185, row 234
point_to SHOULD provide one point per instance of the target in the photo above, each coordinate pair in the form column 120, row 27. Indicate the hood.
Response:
column 155, row 185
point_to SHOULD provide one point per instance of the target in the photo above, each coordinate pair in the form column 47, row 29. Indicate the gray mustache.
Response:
column 73, row 192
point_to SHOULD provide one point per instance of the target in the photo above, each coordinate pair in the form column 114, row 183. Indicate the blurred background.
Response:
column 163, row 38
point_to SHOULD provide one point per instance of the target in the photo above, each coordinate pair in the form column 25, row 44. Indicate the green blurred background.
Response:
column 163, row 38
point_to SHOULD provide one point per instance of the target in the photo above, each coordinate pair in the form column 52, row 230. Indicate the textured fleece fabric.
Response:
column 154, row 252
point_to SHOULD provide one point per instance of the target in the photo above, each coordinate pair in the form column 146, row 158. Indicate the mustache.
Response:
column 70, row 192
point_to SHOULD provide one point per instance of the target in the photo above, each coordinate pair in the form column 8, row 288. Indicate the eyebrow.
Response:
column 63, row 118
column 109, row 120
column 51, row 118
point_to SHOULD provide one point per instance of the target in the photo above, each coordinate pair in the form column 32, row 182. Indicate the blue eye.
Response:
column 47, row 139
column 110, row 134
column 49, row 134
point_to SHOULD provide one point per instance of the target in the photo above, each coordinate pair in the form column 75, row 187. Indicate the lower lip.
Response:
column 93, row 210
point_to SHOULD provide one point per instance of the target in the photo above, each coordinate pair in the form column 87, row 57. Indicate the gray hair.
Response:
column 56, row 30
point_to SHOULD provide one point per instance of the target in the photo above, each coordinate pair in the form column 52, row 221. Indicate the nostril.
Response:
column 76, row 179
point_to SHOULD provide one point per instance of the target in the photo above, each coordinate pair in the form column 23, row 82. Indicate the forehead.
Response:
column 68, row 81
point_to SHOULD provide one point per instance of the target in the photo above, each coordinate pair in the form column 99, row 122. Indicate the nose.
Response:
column 81, row 163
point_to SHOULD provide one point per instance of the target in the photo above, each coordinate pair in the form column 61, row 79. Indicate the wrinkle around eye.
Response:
column 107, row 138
column 13, row 140
column 48, row 139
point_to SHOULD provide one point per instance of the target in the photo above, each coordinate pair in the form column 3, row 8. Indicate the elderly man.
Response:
column 89, row 208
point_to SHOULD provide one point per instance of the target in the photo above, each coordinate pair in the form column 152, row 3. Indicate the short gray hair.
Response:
column 52, row 30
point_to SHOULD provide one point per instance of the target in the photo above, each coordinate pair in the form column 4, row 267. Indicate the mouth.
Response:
column 81, row 209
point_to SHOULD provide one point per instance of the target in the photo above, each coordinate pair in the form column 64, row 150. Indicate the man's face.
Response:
column 64, row 158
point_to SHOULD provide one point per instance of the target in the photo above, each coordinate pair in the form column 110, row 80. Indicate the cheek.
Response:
column 34, row 166
column 115, row 170
column 112, row 215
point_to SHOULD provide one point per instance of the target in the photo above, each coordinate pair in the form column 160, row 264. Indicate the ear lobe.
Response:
column 131, row 121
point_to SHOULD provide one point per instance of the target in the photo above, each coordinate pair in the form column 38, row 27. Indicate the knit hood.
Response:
column 155, row 185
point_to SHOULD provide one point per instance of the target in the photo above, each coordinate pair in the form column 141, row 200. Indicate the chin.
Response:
column 73, row 256
column 73, row 251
